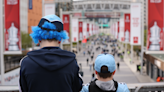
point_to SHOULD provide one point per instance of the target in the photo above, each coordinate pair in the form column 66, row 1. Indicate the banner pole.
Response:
column 1, row 41
column 61, row 17
column 125, row 49
column 71, row 32
column 142, row 42
column 131, row 53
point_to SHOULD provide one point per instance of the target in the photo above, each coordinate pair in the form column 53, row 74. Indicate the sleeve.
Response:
column 77, row 84
column 122, row 87
column 22, row 81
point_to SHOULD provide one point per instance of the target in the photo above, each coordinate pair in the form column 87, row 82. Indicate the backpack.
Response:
column 94, row 88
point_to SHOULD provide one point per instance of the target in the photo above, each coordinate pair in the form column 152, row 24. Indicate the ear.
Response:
column 59, row 42
column 114, row 72
column 96, row 72
column 39, row 41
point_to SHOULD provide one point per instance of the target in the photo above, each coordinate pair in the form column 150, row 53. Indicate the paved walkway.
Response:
column 142, row 78
column 124, row 74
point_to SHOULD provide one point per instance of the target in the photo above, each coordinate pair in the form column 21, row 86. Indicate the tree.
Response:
column 26, row 40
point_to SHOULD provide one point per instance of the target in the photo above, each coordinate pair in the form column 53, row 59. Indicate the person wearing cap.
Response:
column 105, row 69
column 49, row 69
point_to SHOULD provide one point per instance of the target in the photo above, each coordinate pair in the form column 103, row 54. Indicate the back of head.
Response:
column 105, row 65
column 49, row 28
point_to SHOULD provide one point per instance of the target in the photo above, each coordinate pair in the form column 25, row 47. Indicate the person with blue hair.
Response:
column 105, row 69
column 49, row 69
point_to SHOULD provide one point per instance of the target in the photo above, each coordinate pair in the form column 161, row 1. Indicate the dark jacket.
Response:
column 50, row 69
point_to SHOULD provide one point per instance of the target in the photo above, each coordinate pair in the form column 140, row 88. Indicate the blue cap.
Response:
column 105, row 60
column 52, row 18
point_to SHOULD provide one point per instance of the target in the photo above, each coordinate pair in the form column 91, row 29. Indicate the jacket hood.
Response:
column 51, row 58
column 106, row 86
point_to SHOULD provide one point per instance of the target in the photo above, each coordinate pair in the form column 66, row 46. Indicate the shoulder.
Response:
column 122, row 87
column 85, row 88
column 23, row 60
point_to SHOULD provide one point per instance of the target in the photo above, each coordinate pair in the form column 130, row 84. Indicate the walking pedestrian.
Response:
column 93, row 66
column 89, row 52
column 128, row 53
column 87, row 61
column 123, row 52
column 90, row 65
column 91, row 57
column 122, row 58
column 84, row 53
column 79, row 49
column 49, row 69
column 130, row 61
column 118, row 64
column 93, row 77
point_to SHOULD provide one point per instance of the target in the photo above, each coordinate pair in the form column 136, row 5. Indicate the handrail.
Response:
column 136, row 87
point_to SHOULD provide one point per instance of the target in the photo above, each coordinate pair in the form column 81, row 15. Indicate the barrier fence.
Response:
column 138, row 87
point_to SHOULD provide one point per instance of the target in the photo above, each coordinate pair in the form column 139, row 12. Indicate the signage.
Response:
column 66, row 23
column 127, row 28
column 12, row 27
column 87, row 30
column 75, row 29
column 155, row 35
column 80, row 30
column 84, row 30
column 121, row 32
column 118, row 29
column 49, row 9
column 135, row 24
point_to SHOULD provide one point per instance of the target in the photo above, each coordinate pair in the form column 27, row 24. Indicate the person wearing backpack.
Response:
column 105, row 69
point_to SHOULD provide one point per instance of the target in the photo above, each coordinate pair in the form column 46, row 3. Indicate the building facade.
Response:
column 34, row 14
column 154, row 65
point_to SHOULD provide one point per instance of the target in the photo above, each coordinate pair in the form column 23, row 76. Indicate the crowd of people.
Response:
column 51, row 69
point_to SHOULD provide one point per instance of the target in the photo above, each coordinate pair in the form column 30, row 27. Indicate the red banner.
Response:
column 80, row 30
column 127, row 27
column 12, row 26
column 118, row 29
column 155, row 25
column 66, row 22
column 87, row 30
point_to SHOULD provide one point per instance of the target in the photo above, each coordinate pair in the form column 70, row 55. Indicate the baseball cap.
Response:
column 105, row 60
column 51, row 19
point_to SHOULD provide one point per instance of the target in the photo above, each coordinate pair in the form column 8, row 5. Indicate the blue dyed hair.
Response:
column 39, row 33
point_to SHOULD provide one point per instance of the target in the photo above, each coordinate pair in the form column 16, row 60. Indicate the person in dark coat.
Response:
column 118, row 65
column 49, row 69
column 92, row 58
column 87, row 61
